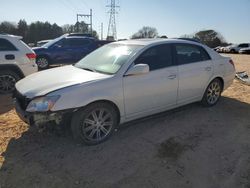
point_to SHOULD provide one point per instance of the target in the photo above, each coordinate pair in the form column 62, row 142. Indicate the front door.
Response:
column 155, row 90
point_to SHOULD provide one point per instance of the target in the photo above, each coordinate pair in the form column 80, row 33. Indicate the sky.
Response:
column 173, row 18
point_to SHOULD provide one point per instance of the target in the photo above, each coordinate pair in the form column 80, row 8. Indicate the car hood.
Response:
column 44, row 82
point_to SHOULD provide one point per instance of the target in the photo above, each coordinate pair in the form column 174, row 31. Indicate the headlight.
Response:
column 42, row 104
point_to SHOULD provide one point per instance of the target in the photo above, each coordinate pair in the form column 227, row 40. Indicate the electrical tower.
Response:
column 112, row 35
column 90, row 16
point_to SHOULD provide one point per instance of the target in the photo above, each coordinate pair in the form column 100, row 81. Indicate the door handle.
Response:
column 9, row 57
column 208, row 69
column 171, row 77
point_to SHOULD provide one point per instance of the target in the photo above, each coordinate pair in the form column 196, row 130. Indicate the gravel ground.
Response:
column 190, row 147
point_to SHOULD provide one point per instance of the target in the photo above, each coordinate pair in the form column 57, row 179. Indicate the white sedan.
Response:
column 123, row 81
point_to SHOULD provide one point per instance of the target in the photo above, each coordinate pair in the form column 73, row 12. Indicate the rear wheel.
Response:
column 8, row 80
column 212, row 93
column 94, row 124
column 42, row 62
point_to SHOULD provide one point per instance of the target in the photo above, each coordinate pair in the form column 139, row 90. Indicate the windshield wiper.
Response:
column 88, row 69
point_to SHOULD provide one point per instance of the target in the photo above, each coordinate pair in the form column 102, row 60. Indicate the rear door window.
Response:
column 76, row 42
column 188, row 53
column 5, row 45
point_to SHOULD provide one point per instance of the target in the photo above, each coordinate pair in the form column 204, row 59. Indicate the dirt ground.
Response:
column 191, row 147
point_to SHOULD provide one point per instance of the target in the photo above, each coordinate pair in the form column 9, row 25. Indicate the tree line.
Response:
column 209, row 37
column 37, row 31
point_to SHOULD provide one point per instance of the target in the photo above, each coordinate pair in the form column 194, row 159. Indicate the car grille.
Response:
column 21, row 99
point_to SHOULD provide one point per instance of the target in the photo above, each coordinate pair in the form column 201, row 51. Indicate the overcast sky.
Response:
column 171, row 17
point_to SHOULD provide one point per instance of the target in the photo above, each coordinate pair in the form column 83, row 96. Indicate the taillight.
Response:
column 231, row 62
column 31, row 56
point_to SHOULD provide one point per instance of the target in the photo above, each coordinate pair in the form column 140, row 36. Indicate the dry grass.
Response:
column 11, row 127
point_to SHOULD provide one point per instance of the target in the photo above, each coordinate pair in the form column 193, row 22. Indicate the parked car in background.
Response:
column 217, row 49
column 236, row 48
column 42, row 42
column 244, row 51
column 123, row 81
column 17, row 60
column 67, row 49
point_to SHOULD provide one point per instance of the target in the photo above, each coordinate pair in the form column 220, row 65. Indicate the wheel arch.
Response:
column 44, row 55
column 13, row 68
column 221, row 80
column 107, row 102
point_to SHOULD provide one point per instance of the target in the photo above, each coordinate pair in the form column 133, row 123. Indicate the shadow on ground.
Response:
column 217, row 154
column 6, row 103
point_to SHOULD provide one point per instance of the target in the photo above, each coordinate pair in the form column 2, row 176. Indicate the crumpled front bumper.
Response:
column 40, row 119
column 23, row 115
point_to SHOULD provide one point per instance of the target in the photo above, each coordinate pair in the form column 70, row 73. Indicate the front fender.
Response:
column 81, row 95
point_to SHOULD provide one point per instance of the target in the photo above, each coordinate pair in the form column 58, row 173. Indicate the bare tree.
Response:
column 145, row 32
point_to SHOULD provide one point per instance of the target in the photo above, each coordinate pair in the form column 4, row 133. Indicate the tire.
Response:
column 94, row 124
column 8, row 80
column 232, row 51
column 212, row 93
column 42, row 62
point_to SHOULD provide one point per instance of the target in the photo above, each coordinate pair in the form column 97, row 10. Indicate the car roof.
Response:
column 5, row 35
column 79, row 37
column 45, row 40
column 146, row 42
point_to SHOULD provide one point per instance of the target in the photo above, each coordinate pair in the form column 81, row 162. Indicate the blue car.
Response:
column 67, row 49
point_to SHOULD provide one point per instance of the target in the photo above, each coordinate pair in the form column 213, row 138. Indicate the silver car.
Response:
column 123, row 81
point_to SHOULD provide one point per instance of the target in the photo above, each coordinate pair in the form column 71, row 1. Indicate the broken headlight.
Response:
column 42, row 104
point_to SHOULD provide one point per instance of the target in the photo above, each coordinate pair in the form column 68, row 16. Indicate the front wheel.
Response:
column 94, row 124
column 212, row 93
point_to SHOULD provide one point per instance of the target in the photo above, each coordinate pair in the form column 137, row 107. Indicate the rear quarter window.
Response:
column 6, row 45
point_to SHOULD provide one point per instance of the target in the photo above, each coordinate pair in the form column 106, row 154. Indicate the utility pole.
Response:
column 101, row 31
column 90, row 16
column 91, row 24
column 112, row 34
column 77, row 24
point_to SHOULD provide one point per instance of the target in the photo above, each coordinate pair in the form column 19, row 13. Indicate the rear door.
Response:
column 8, row 52
column 195, row 69
column 155, row 90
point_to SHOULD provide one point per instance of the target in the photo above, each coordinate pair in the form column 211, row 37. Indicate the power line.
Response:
column 69, row 5
column 66, row 6
column 88, row 6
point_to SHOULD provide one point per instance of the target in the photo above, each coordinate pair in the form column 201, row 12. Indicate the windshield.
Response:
column 47, row 45
column 109, row 58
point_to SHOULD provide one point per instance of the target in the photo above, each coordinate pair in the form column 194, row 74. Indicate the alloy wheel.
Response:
column 42, row 62
column 213, row 93
column 98, row 124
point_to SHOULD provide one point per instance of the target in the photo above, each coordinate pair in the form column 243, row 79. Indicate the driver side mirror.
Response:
column 137, row 70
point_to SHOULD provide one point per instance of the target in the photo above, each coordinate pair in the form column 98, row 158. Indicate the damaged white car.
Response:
column 123, row 81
